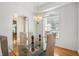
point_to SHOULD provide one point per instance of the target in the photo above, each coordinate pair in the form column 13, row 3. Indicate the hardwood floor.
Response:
column 58, row 51
column 64, row 52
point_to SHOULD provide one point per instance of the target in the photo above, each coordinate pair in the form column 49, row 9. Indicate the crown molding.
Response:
column 51, row 6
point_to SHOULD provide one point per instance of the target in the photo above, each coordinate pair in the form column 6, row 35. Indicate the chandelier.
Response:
column 38, row 18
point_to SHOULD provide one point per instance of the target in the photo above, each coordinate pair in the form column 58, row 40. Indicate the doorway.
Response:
column 14, row 32
column 14, row 29
column 19, row 24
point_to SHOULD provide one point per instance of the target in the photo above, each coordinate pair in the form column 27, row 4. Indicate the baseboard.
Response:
column 67, row 49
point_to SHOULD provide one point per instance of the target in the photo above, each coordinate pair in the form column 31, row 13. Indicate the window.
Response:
column 52, row 24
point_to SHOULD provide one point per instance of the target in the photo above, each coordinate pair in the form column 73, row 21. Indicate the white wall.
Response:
column 68, row 25
column 7, row 10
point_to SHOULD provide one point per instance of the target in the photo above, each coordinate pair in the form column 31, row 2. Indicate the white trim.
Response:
column 52, row 7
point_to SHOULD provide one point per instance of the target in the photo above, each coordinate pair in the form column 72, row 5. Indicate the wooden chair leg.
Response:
column 4, row 45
